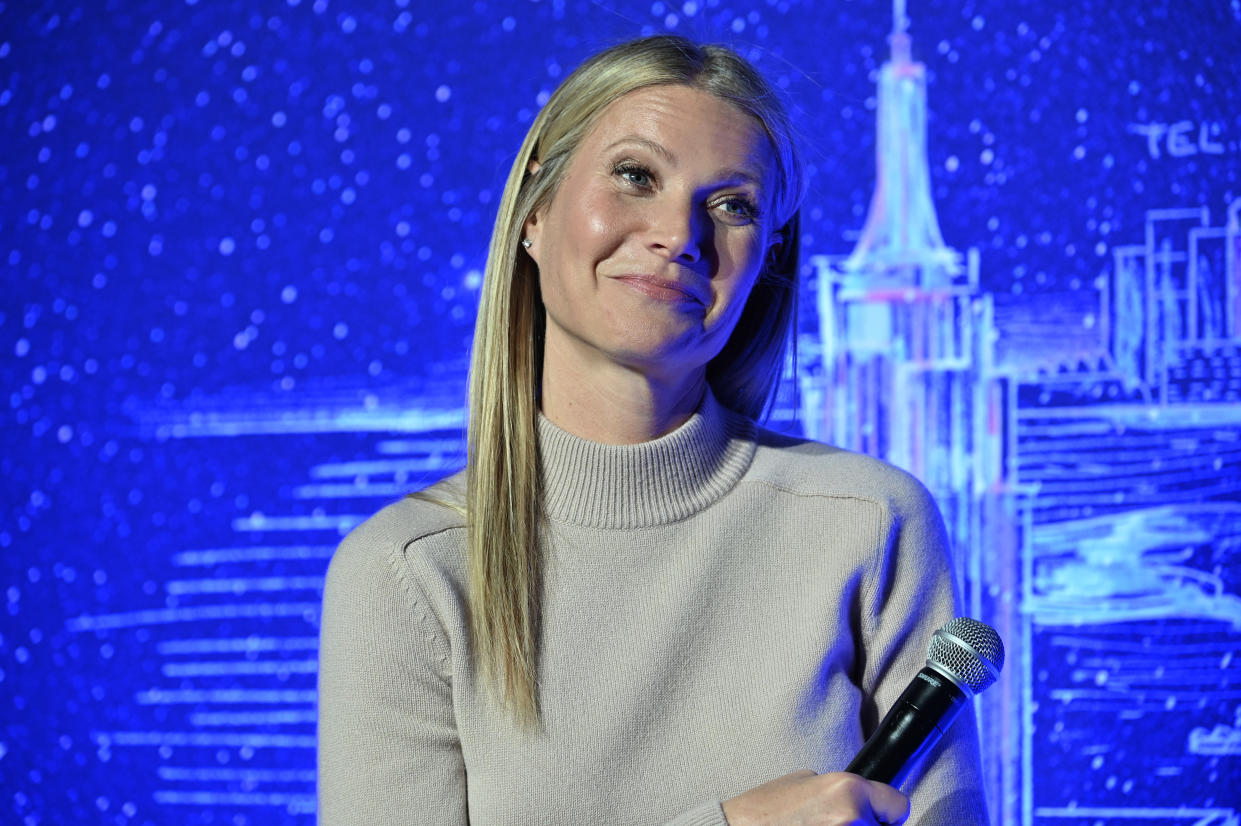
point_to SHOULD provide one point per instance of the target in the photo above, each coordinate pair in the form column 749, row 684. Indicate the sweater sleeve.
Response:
column 388, row 746
column 708, row 814
column 913, row 593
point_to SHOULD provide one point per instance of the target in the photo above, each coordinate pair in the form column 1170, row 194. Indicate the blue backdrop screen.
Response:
column 242, row 245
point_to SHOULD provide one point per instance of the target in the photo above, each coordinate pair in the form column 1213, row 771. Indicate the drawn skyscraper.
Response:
column 907, row 341
column 901, row 242
column 906, row 335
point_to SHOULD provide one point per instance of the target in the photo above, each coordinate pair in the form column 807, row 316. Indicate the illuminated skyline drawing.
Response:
column 1071, row 490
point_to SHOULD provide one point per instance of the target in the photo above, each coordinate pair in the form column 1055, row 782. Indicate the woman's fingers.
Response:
column 806, row 799
column 887, row 804
column 873, row 802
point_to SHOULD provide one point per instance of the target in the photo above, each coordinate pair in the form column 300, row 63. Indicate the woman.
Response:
column 635, row 606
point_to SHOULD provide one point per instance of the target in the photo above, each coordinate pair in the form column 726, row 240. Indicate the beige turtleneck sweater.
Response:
column 723, row 606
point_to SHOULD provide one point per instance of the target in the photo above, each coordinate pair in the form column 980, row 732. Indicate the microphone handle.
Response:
column 910, row 729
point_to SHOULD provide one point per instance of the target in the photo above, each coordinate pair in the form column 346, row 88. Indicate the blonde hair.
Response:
column 503, row 491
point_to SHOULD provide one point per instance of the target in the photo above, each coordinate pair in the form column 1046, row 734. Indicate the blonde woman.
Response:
column 634, row 605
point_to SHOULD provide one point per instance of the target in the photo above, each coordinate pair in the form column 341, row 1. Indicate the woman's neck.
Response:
column 619, row 405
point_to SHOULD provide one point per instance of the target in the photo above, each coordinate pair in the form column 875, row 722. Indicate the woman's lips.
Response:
column 660, row 288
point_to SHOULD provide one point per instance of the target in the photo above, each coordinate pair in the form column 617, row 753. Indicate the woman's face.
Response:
column 648, row 249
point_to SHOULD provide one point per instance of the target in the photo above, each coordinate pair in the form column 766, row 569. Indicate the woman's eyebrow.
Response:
column 729, row 174
column 645, row 143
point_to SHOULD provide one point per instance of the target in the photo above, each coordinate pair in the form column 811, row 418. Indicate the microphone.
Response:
column 965, row 656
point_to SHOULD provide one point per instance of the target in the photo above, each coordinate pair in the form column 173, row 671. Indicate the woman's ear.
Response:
column 775, row 245
column 530, row 231
column 782, row 246
column 531, row 227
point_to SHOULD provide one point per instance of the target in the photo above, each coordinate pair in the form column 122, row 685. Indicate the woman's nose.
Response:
column 679, row 231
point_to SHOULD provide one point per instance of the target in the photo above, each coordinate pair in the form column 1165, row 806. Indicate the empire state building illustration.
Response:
column 906, row 339
column 901, row 242
column 905, row 334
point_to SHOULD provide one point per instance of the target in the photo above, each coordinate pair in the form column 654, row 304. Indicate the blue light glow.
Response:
column 242, row 248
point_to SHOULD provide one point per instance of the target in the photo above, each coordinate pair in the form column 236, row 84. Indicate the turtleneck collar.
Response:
column 652, row 483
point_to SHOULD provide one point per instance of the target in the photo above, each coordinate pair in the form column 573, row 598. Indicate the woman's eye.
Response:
column 740, row 207
column 636, row 175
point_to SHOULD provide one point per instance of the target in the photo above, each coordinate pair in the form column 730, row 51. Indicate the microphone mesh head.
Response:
column 969, row 650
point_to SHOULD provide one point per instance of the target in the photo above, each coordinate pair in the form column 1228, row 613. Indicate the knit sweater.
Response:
column 722, row 606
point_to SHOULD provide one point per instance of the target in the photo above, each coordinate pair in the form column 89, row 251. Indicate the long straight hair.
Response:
column 504, row 496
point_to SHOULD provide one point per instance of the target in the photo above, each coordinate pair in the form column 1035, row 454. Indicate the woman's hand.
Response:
column 807, row 799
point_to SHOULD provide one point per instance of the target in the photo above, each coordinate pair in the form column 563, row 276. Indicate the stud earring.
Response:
column 526, row 242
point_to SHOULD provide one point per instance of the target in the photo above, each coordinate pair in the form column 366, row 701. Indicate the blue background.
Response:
column 242, row 244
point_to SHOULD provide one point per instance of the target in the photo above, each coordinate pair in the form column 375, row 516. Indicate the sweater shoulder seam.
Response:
column 872, row 500
column 432, row 629
column 870, row 582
